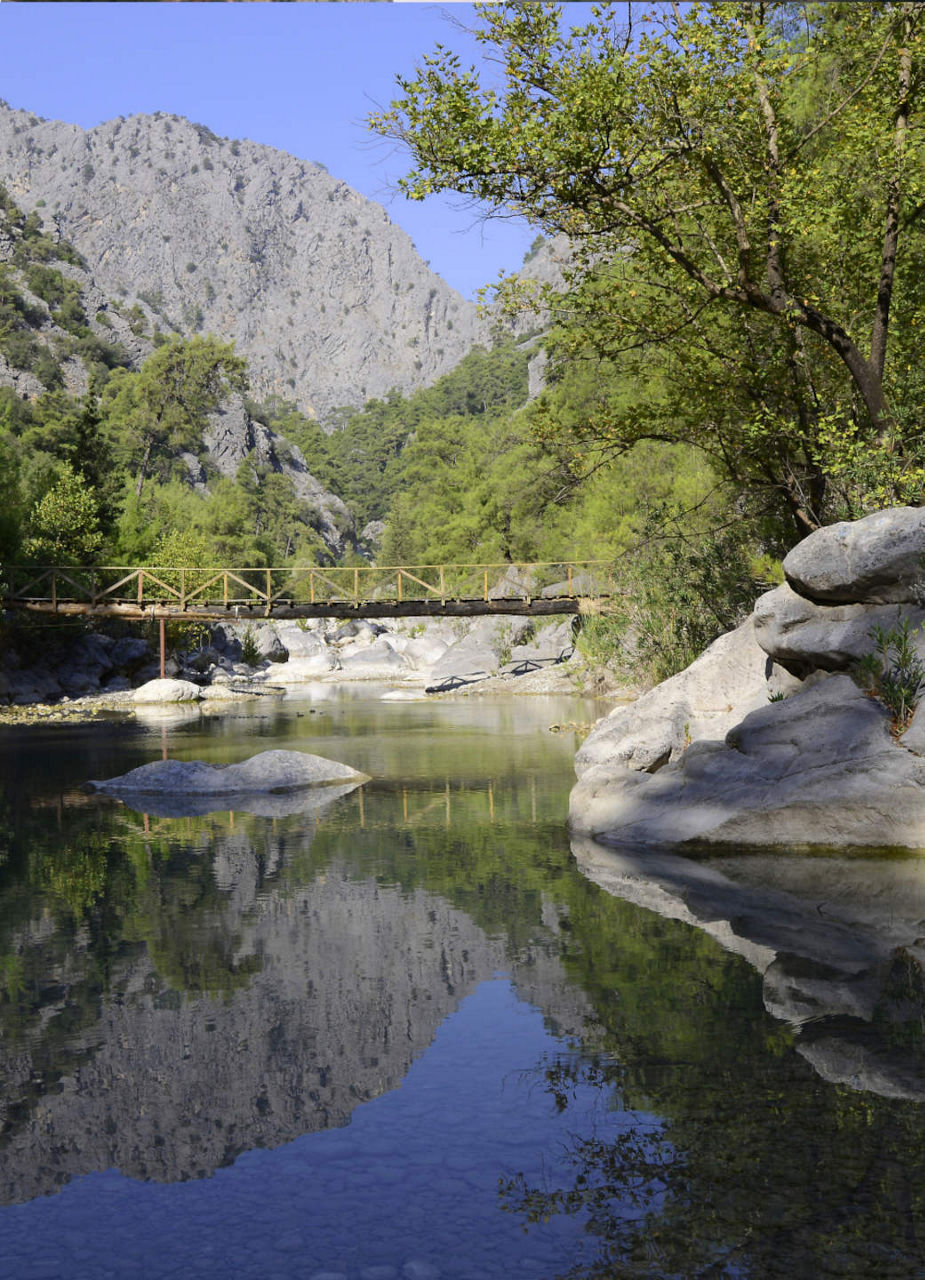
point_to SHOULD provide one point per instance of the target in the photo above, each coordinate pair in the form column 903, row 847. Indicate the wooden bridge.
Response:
column 201, row 594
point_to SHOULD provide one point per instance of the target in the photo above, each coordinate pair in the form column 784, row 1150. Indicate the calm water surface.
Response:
column 396, row 1035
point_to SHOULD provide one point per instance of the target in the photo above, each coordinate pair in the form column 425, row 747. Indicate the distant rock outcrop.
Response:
column 328, row 300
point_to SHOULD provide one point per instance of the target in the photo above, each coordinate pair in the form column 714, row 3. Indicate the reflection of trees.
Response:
column 77, row 903
column 757, row 1167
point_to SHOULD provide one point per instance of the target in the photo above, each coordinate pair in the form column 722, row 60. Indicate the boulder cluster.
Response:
column 440, row 655
column 788, row 730
column 250, row 658
column 67, row 666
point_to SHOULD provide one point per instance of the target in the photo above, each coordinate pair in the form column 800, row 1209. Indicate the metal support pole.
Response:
column 163, row 645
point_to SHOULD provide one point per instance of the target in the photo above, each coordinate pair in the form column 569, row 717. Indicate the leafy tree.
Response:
column 742, row 185
column 163, row 408
column 10, row 492
column 63, row 527
column 357, row 457
column 18, row 318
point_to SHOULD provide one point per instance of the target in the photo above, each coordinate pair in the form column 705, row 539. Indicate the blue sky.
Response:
column 301, row 77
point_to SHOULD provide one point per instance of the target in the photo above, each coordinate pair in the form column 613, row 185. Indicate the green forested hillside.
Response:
column 99, row 463
column 741, row 185
column 359, row 456
column 92, row 444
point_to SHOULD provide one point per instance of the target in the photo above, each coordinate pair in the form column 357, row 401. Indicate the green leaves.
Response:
column 63, row 527
column 164, row 406
column 741, row 186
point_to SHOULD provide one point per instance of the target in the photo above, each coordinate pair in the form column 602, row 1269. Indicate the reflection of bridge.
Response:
column 394, row 806
column 451, row 590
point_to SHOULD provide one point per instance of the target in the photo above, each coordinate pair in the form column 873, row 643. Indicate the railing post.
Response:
column 442, row 587
column 570, row 591
column 399, row 586
column 269, row 591
column 356, row 586
column 54, row 592
column 485, row 591
column 311, row 585
column 141, row 587
column 225, row 588
column 183, row 590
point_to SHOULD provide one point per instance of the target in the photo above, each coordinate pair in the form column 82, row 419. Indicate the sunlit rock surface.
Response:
column 265, row 773
column 801, row 755
column 875, row 560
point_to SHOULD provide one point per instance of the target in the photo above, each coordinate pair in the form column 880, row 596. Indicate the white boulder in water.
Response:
column 167, row 690
column 270, row 771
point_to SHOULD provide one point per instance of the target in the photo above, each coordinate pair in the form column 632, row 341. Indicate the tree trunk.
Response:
column 891, row 230
column 143, row 469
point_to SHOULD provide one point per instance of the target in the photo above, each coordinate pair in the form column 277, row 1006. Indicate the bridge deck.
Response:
column 417, row 591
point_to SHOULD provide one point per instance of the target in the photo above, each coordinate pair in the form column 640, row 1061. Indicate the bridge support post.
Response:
column 163, row 645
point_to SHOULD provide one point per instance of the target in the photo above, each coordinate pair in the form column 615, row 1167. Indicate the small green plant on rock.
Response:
column 250, row 654
column 893, row 672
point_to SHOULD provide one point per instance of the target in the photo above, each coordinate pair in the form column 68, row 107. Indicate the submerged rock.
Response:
column 263, row 804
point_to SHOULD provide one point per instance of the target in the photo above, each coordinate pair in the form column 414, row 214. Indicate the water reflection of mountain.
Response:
column 838, row 942
column 330, row 990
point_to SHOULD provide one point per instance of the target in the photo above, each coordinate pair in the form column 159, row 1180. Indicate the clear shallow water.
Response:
column 411, row 1183
column 400, row 1033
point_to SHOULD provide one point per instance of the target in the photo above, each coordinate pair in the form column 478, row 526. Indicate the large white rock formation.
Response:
column 762, row 741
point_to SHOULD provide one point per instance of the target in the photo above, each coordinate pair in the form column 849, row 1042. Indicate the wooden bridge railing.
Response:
column 194, row 591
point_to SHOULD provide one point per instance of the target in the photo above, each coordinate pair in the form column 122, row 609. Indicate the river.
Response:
column 397, row 1034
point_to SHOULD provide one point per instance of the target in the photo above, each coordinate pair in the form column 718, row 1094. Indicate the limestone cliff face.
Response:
column 344, row 983
column 38, row 354
column 327, row 299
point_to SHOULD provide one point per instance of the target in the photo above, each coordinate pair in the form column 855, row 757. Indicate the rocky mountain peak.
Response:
column 326, row 298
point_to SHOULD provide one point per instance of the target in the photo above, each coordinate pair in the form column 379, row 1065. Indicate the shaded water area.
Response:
column 398, row 1034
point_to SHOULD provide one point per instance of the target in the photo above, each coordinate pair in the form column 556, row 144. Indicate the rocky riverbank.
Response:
column 789, row 730
column 773, row 795
column 96, row 674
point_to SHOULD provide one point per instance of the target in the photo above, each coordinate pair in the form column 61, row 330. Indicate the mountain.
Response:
column 193, row 233
column 59, row 332
column 297, row 1029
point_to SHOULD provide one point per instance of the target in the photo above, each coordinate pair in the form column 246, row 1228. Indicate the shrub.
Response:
column 893, row 672
column 682, row 592
column 250, row 654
